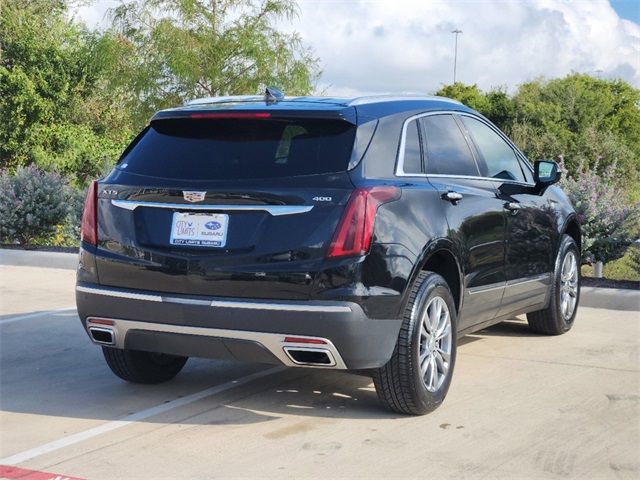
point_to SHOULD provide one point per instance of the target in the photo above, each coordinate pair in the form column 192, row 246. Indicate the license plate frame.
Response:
column 208, row 230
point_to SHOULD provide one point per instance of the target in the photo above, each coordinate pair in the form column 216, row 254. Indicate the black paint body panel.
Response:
column 502, row 258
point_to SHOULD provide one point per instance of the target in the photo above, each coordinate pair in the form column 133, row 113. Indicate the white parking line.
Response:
column 33, row 315
column 135, row 417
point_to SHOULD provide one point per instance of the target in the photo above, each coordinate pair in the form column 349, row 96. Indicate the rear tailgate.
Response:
column 230, row 207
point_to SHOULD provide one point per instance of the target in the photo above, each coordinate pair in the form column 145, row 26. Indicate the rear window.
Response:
column 215, row 149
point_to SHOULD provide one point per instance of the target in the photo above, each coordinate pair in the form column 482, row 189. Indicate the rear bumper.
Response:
column 245, row 330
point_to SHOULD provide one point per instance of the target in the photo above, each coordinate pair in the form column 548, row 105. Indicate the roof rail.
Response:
column 364, row 100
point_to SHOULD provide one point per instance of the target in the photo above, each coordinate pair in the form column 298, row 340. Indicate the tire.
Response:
column 401, row 384
column 555, row 319
column 143, row 367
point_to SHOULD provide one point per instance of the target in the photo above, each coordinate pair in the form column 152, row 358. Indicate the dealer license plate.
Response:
column 199, row 229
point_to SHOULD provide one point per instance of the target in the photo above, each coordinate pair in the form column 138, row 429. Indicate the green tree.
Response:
column 470, row 95
column 585, row 120
column 183, row 49
column 52, row 112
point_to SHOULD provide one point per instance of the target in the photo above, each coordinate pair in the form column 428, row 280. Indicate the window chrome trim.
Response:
column 241, row 304
column 486, row 179
column 399, row 170
column 275, row 210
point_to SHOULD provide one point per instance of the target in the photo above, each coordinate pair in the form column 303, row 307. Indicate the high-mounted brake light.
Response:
column 355, row 230
column 89, row 225
column 231, row 115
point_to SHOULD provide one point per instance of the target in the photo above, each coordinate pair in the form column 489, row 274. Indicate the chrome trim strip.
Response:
column 486, row 288
column 534, row 278
column 248, row 305
column 275, row 210
column 281, row 306
column 274, row 342
column 120, row 294
column 471, row 177
column 510, row 283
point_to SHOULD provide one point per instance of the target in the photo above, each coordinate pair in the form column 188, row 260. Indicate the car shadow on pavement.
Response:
column 514, row 327
column 57, row 372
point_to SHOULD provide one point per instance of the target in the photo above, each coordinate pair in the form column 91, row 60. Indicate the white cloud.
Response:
column 407, row 46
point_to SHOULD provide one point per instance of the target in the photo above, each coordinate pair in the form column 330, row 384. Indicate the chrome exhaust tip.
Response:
column 310, row 357
column 102, row 336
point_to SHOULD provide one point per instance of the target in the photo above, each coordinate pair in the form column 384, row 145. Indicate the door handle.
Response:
column 513, row 207
column 452, row 196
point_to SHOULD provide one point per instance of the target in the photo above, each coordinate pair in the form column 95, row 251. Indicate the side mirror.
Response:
column 545, row 173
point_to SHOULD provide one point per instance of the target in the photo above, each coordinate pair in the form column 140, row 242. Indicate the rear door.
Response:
column 531, row 222
column 225, row 206
column 474, row 213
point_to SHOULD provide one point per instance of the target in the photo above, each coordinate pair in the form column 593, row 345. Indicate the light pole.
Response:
column 455, row 55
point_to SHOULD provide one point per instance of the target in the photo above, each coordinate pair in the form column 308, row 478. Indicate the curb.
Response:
column 610, row 298
column 21, row 258
column 592, row 297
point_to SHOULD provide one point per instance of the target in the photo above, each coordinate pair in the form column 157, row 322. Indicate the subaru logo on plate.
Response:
column 212, row 225
column 191, row 196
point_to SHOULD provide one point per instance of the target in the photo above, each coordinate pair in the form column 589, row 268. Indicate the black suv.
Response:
column 362, row 234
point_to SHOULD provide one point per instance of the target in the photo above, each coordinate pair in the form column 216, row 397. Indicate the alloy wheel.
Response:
column 435, row 343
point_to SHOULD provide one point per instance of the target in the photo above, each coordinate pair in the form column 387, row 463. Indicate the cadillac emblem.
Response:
column 193, row 196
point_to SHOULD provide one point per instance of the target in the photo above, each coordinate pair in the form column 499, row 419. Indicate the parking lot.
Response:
column 520, row 406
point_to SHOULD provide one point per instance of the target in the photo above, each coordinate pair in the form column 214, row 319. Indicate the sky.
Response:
column 406, row 46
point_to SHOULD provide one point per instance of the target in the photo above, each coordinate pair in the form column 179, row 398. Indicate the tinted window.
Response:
column 412, row 157
column 447, row 149
column 498, row 157
column 201, row 149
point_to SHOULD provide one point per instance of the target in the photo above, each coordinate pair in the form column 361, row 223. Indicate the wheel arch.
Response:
column 572, row 228
column 439, row 257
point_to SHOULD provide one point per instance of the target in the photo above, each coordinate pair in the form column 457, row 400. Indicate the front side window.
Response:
column 412, row 163
column 496, row 156
column 447, row 151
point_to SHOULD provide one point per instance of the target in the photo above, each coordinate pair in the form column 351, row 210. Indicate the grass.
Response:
column 621, row 269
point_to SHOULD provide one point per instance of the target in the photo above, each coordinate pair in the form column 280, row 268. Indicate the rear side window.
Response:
column 498, row 157
column 225, row 149
column 412, row 162
column 447, row 150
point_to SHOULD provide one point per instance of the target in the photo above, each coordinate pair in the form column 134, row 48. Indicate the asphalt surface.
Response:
column 520, row 406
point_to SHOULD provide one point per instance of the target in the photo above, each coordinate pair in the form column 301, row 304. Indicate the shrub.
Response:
column 32, row 203
column 607, row 219
column 67, row 234
column 635, row 259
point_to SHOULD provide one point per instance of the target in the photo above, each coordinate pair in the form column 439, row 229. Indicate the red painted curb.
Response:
column 11, row 473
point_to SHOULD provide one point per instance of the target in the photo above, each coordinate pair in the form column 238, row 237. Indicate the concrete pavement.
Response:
column 520, row 406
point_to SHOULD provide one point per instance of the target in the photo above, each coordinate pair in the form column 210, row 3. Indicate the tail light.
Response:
column 355, row 230
column 89, row 226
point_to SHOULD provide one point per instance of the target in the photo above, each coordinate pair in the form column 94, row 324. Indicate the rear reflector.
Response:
column 100, row 321
column 317, row 341
column 89, row 225
column 355, row 230
column 227, row 115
